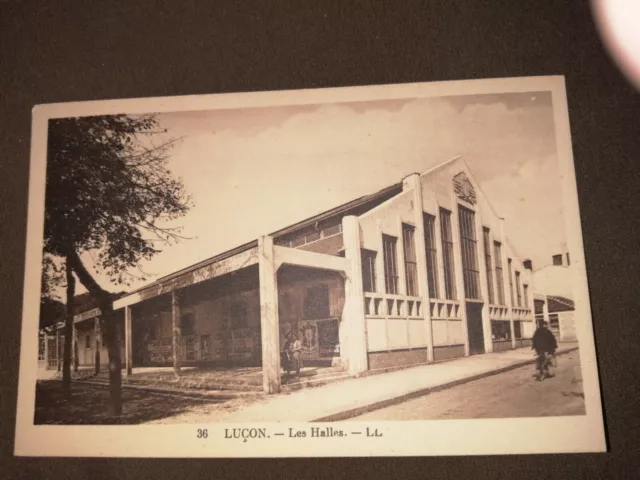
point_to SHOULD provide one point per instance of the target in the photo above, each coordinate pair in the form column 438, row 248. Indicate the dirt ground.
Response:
column 89, row 405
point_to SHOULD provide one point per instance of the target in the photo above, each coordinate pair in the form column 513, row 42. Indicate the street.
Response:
column 511, row 394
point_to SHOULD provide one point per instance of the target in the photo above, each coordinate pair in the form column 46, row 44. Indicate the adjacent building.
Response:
column 418, row 272
column 88, row 346
column 554, row 297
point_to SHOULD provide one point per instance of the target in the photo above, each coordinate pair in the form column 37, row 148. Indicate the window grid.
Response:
column 471, row 271
column 518, row 293
column 431, row 254
column 390, row 264
column 447, row 253
column 497, row 247
column 369, row 271
column 410, row 262
column 487, row 261
column 510, row 279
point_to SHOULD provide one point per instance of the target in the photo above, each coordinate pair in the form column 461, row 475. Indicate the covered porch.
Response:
column 230, row 315
column 219, row 320
column 88, row 347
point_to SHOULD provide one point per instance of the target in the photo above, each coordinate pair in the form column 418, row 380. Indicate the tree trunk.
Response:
column 108, row 328
column 76, row 360
column 177, row 333
column 98, row 345
column 110, row 337
column 68, row 332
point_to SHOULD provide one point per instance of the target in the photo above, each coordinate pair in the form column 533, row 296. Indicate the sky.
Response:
column 253, row 171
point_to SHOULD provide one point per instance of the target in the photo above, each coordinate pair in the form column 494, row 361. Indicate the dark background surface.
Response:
column 70, row 51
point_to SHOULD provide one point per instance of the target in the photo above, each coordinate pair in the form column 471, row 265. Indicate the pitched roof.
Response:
column 560, row 304
column 364, row 202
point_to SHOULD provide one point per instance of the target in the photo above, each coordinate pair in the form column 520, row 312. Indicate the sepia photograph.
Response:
column 397, row 269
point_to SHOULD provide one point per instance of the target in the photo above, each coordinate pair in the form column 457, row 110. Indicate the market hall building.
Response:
column 418, row 272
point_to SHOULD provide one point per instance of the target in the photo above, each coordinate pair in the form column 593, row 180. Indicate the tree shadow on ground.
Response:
column 89, row 405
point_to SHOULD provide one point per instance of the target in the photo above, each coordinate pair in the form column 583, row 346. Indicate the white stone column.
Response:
column 381, row 286
column 380, row 278
column 354, row 298
column 545, row 310
column 457, row 260
column 494, row 280
column 484, row 287
column 127, row 341
column 269, row 321
column 413, row 182
column 437, row 227
column 343, row 328
column 506, row 282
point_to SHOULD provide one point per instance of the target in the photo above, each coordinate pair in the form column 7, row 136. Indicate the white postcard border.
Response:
column 435, row 437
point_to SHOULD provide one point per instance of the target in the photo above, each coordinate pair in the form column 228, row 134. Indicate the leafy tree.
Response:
column 108, row 191
column 52, row 310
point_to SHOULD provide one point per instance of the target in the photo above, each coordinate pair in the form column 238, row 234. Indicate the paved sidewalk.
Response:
column 348, row 398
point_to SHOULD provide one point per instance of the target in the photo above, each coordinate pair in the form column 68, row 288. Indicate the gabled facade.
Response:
column 461, row 289
column 419, row 272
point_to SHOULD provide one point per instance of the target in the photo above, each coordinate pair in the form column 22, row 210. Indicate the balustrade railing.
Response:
column 444, row 309
column 521, row 313
column 498, row 312
column 378, row 305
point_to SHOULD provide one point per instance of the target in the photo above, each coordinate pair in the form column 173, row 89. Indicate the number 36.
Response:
column 202, row 433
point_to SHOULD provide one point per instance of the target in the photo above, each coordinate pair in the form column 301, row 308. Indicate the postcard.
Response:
column 384, row 270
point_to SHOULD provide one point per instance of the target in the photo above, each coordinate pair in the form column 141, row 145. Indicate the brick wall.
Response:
column 501, row 346
column 450, row 351
column 396, row 358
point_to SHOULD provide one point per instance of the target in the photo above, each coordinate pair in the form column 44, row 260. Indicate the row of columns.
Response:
column 413, row 182
column 176, row 335
column 354, row 342
column 74, row 347
column 97, row 345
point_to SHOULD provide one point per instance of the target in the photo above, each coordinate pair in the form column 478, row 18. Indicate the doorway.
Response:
column 474, row 328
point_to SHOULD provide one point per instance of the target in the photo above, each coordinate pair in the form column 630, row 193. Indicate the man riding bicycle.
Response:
column 545, row 345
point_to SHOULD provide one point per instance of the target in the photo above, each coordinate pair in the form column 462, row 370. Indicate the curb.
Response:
column 355, row 412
